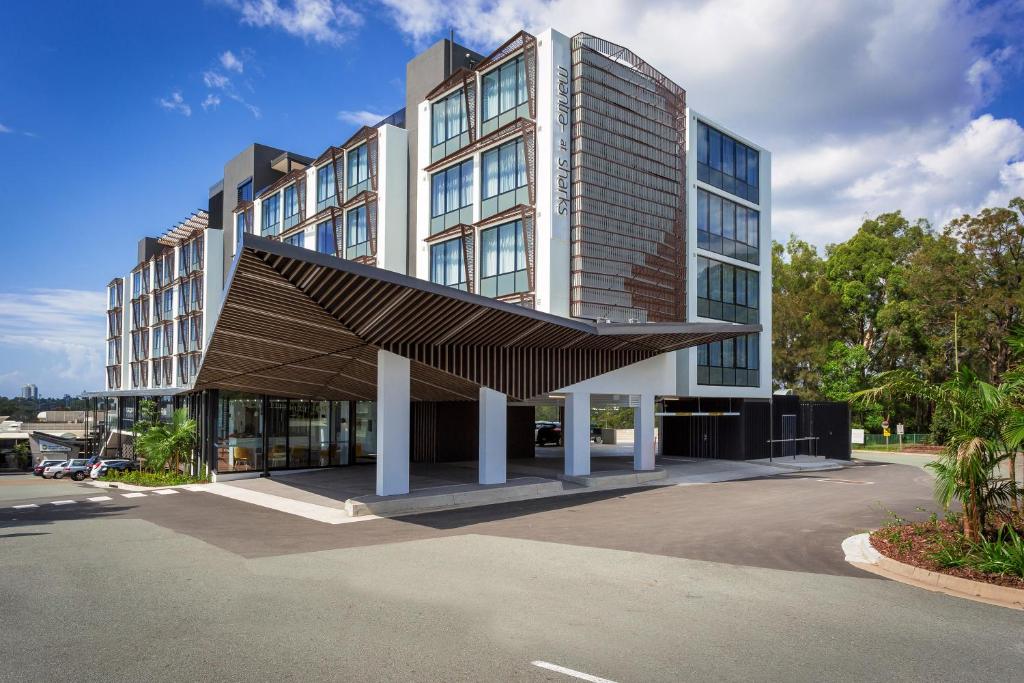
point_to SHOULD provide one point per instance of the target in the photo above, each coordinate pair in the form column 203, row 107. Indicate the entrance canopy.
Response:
column 302, row 324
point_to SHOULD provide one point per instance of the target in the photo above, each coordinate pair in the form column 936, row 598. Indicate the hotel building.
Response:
column 547, row 224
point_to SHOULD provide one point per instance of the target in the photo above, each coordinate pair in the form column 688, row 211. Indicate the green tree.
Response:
column 169, row 444
column 22, row 454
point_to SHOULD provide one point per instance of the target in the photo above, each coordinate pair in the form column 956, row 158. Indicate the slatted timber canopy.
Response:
column 302, row 324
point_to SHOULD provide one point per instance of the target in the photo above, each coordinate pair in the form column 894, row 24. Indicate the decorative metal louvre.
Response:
column 628, row 170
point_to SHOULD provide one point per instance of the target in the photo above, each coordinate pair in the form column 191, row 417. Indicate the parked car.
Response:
column 77, row 469
column 120, row 465
column 549, row 433
column 55, row 471
column 43, row 464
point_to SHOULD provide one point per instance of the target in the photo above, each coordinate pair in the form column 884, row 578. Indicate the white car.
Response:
column 55, row 471
column 101, row 467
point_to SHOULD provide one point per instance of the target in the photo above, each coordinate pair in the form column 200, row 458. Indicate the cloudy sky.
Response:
column 115, row 118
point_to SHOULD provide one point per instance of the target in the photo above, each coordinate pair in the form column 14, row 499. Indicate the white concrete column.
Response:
column 493, row 406
column 393, row 397
column 643, row 433
column 576, row 434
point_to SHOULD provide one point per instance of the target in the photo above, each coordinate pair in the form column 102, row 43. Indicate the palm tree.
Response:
column 967, row 469
column 169, row 443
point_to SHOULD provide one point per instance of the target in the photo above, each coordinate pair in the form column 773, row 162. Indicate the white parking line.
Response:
column 22, row 507
column 571, row 672
column 133, row 495
column 164, row 492
column 99, row 499
column 62, row 502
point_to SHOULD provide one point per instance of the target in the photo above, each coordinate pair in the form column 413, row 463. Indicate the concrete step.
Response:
column 615, row 479
column 451, row 497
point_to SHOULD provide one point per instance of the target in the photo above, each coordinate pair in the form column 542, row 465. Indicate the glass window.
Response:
column 502, row 249
column 239, row 228
column 356, row 238
column 732, row 362
column 271, row 214
column 291, row 206
column 504, row 168
column 727, row 163
column 239, row 432
column 245, row 191
column 504, row 88
column 298, row 239
column 438, row 112
column 452, row 189
column 325, row 186
column 449, row 118
column 357, row 169
column 727, row 228
column 726, row 292
column 447, row 265
column 325, row 242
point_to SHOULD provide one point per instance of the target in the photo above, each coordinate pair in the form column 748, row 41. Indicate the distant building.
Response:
column 30, row 391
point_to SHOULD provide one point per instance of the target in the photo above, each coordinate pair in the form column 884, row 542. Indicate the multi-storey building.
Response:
column 550, row 223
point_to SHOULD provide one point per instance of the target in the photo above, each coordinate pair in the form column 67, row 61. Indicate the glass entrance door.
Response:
column 366, row 431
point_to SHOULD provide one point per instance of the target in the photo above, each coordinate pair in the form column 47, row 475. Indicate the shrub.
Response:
column 167, row 478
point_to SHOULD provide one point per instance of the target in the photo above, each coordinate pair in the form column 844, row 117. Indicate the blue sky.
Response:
column 868, row 105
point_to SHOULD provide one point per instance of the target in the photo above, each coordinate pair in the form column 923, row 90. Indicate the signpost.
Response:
column 899, row 433
column 885, row 431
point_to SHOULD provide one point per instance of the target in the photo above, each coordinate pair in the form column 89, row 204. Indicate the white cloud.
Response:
column 211, row 102
column 360, row 118
column 176, row 103
column 321, row 21
column 5, row 129
column 213, row 79
column 867, row 105
column 231, row 62
column 62, row 331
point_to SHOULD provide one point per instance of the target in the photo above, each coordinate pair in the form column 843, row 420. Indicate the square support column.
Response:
column 493, row 428
column 393, row 396
column 643, row 433
column 576, row 434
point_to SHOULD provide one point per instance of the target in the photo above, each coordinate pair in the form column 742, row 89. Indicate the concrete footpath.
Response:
column 327, row 496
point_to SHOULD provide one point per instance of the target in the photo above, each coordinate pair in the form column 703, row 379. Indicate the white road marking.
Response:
column 571, row 672
column 133, row 495
column 164, row 492
column 99, row 499
column 61, row 502
column 194, row 487
column 22, row 507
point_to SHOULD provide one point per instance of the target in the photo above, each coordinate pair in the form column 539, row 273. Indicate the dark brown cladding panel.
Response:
column 628, row 224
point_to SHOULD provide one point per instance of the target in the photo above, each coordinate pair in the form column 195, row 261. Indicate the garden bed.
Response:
column 152, row 478
column 938, row 546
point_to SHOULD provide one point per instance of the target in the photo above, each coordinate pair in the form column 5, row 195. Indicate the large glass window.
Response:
column 271, row 214
column 726, row 292
column 298, row 239
column 452, row 189
column 731, row 362
column 325, row 190
column 239, row 432
column 358, row 169
column 504, row 169
column 449, row 118
column 503, row 260
column 325, row 242
column 239, row 227
column 244, row 193
column 298, row 433
column 727, row 163
column 504, row 88
column 447, row 265
column 357, row 241
column 728, row 228
column 291, row 206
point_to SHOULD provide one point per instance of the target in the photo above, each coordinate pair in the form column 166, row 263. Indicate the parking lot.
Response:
column 733, row 581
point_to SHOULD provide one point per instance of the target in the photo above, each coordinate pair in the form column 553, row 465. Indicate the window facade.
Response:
column 239, row 228
column 727, row 163
column 325, row 190
column 730, row 363
column 503, row 260
column 357, row 241
column 503, row 177
column 357, row 171
column 447, row 264
column 271, row 215
column 727, row 228
column 504, row 95
column 325, row 242
column 244, row 192
column 291, row 206
column 451, row 197
column 298, row 239
column 449, row 118
column 727, row 292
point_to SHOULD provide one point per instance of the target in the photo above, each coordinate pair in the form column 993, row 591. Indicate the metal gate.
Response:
column 789, row 448
column 703, row 436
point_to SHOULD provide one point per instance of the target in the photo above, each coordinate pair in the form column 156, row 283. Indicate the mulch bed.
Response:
column 914, row 544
